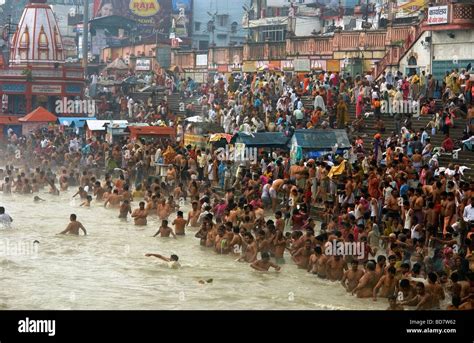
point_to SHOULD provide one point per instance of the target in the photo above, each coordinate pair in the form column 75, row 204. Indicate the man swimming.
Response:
column 73, row 227
column 172, row 260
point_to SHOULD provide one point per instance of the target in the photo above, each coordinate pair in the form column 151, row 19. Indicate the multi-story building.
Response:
column 275, row 20
column 217, row 22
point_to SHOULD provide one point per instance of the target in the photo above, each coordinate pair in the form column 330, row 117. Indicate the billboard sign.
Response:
column 152, row 16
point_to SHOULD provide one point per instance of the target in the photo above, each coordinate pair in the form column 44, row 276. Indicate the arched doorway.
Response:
column 412, row 62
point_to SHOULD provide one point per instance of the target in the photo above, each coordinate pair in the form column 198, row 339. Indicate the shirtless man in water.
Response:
column 73, row 227
column 423, row 300
column 302, row 255
column 367, row 282
column 179, row 224
column 139, row 215
column 249, row 253
column 386, row 284
column 193, row 215
column 164, row 230
column 114, row 199
column 125, row 209
column 351, row 277
column 336, row 267
column 318, row 263
column 264, row 264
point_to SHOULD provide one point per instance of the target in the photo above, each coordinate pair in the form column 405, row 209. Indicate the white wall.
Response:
column 306, row 25
column 421, row 53
column 461, row 46
column 444, row 48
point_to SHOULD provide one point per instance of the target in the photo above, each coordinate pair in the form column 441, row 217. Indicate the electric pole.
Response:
column 85, row 37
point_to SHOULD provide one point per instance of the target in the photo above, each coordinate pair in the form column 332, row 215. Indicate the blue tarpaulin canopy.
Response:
column 263, row 139
column 74, row 122
column 321, row 140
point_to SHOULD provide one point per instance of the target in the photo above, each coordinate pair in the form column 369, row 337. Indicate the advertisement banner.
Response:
column 201, row 60
column 195, row 140
column 143, row 64
column 333, row 65
column 302, row 64
column 438, row 15
column 287, row 65
column 318, row 64
column 152, row 16
column 249, row 67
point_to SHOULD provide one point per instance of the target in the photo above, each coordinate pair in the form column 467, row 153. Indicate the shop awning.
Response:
column 76, row 122
column 263, row 139
column 321, row 139
column 151, row 131
column 100, row 125
column 9, row 120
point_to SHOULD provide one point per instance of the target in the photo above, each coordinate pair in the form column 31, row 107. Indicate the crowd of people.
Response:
column 411, row 220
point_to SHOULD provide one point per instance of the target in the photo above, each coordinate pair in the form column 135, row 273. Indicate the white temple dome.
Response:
column 37, row 39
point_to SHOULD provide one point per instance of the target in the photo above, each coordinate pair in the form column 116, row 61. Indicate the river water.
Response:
column 108, row 270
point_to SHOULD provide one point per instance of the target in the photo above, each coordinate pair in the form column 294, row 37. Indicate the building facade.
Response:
column 217, row 22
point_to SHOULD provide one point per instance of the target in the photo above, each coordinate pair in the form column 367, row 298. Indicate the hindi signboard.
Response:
column 438, row 15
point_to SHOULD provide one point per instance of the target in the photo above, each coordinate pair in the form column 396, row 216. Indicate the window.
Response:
column 222, row 20
column 203, row 45
column 197, row 26
column 233, row 27
column 221, row 36
column 273, row 33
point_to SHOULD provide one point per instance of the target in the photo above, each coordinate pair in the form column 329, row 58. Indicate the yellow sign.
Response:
column 144, row 8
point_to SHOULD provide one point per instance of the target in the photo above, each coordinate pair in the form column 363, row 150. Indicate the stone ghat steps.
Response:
column 465, row 158
column 175, row 103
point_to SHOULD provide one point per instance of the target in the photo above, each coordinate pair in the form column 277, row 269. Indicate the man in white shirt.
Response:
column 5, row 219
column 468, row 214
column 319, row 102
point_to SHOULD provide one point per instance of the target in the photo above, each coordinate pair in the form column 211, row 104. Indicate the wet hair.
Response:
column 392, row 270
column 370, row 265
column 432, row 277
column 381, row 258
column 174, row 258
column 73, row 216
column 454, row 277
column 265, row 255
column 180, row 213
column 404, row 283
